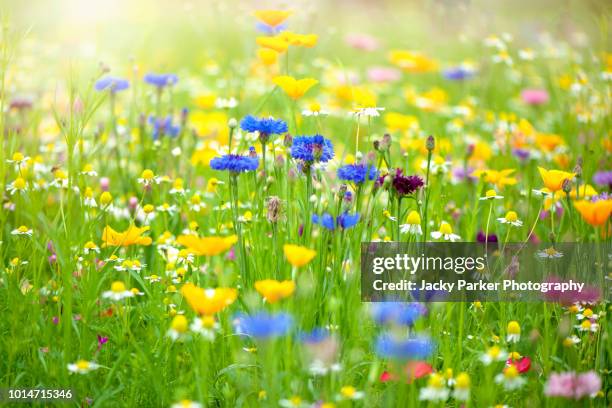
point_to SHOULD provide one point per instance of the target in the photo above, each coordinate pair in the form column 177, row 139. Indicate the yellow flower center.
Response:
column 82, row 365
column 208, row 322
column 494, row 352
column 413, row 218
column 87, row 168
column 462, row 381
column 435, row 381
column 88, row 192
column 445, row 228
column 586, row 324
column 178, row 184
column 196, row 199
column 511, row 216
column 514, row 328
column 511, row 372
column 315, row 107
column 22, row 229
column 587, row 313
column 106, row 198
column 147, row 175
column 550, row 251
column 19, row 183
column 118, row 287
column 90, row 245
column 148, row 209
column 17, row 156
column 490, row 193
column 348, row 391
column 515, row 355
column 180, row 324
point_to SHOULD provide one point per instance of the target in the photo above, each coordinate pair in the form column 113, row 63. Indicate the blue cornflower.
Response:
column 111, row 83
column 163, row 126
column 263, row 325
column 265, row 126
column 458, row 73
column 235, row 163
column 160, row 80
column 397, row 312
column 344, row 220
column 312, row 149
column 316, row 335
column 269, row 30
column 416, row 348
column 357, row 173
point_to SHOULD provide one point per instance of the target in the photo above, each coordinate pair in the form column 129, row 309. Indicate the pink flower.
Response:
column 383, row 74
column 572, row 385
column 587, row 384
column 104, row 183
column 534, row 96
column 363, row 42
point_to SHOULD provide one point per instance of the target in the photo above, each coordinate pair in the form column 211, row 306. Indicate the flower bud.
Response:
column 232, row 123
column 430, row 143
column 566, row 186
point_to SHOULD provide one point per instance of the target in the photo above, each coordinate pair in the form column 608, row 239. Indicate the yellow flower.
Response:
column 585, row 190
column 276, row 43
column 298, row 255
column 208, row 246
column 412, row 61
column 203, row 155
column 397, row 121
column 131, row 236
column 595, row 213
column 210, row 125
column 295, row 88
column 208, row 301
column 205, row 101
column 273, row 290
column 299, row 40
column 272, row 18
column 553, row 179
column 267, row 56
column 499, row 178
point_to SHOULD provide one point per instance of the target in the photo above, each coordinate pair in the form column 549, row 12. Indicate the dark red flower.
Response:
column 405, row 185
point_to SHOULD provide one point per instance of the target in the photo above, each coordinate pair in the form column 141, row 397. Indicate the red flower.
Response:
column 414, row 370
column 523, row 364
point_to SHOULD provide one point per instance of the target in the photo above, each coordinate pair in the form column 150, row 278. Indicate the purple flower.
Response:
column 603, row 178
column 160, row 80
column 482, row 238
column 263, row 325
column 405, row 185
column 521, row 154
column 102, row 340
column 388, row 346
column 111, row 83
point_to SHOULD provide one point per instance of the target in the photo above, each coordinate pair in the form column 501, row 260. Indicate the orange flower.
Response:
column 131, row 236
column 298, row 255
column 208, row 301
column 272, row 18
column 553, row 179
column 209, row 246
column 295, row 88
column 273, row 290
column 595, row 213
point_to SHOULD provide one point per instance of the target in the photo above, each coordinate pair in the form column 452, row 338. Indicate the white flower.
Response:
column 23, row 230
column 510, row 378
column 491, row 195
column 117, row 292
column 445, row 231
column 511, row 218
column 435, row 390
column 206, row 326
column 153, row 278
column 350, row 393
column 82, row 367
column 226, row 103
column 367, row 112
column 89, row 247
column 19, row 185
column 493, row 354
column 549, row 253
column 411, row 229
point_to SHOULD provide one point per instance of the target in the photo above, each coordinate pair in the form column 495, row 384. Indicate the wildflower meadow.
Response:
column 186, row 187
